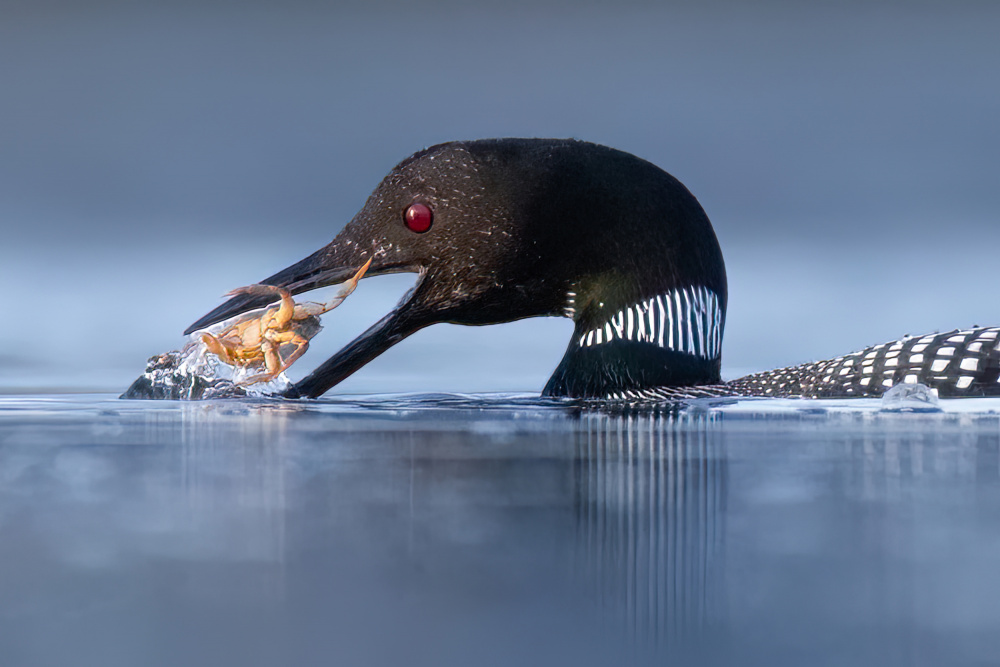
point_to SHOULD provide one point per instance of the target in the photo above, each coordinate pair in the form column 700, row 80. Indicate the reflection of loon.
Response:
column 651, row 503
column 501, row 230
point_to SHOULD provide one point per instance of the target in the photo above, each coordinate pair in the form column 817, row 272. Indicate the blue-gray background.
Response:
column 152, row 158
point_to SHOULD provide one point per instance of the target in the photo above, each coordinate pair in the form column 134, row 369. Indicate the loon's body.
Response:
column 953, row 364
column 505, row 229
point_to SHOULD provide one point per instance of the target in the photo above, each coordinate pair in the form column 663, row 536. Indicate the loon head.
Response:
column 503, row 229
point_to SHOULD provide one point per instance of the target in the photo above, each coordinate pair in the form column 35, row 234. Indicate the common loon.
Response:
column 504, row 229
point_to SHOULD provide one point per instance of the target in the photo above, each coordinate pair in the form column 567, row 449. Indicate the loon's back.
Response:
column 954, row 364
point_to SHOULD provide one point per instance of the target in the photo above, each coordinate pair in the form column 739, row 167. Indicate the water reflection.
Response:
column 884, row 465
column 494, row 534
column 650, row 499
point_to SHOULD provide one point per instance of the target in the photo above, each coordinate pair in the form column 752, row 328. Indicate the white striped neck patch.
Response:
column 684, row 319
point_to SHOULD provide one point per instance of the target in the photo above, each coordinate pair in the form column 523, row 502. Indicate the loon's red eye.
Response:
column 418, row 218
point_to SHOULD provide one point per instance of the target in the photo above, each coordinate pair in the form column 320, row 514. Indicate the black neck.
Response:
column 672, row 339
column 613, row 370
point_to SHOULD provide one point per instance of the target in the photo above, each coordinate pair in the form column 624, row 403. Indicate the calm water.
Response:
column 155, row 157
column 496, row 530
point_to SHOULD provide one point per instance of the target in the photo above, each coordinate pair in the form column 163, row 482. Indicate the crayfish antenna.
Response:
column 345, row 291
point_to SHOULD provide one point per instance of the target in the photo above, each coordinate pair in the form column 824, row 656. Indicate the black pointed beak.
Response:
column 331, row 265
column 405, row 319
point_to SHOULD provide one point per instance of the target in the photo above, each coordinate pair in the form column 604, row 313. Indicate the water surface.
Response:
column 496, row 530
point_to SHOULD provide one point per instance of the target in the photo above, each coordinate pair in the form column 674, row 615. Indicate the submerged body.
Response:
column 504, row 229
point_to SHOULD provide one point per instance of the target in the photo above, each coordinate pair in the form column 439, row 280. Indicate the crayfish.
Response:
column 258, row 341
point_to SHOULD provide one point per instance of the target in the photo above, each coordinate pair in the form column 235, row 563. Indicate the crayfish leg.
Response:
column 272, row 362
column 220, row 348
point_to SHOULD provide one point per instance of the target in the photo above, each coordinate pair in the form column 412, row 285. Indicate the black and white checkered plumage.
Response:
column 954, row 364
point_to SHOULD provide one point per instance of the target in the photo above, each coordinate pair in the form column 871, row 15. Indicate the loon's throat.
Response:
column 673, row 338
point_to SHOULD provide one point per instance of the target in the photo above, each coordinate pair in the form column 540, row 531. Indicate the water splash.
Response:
column 194, row 373
column 911, row 398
